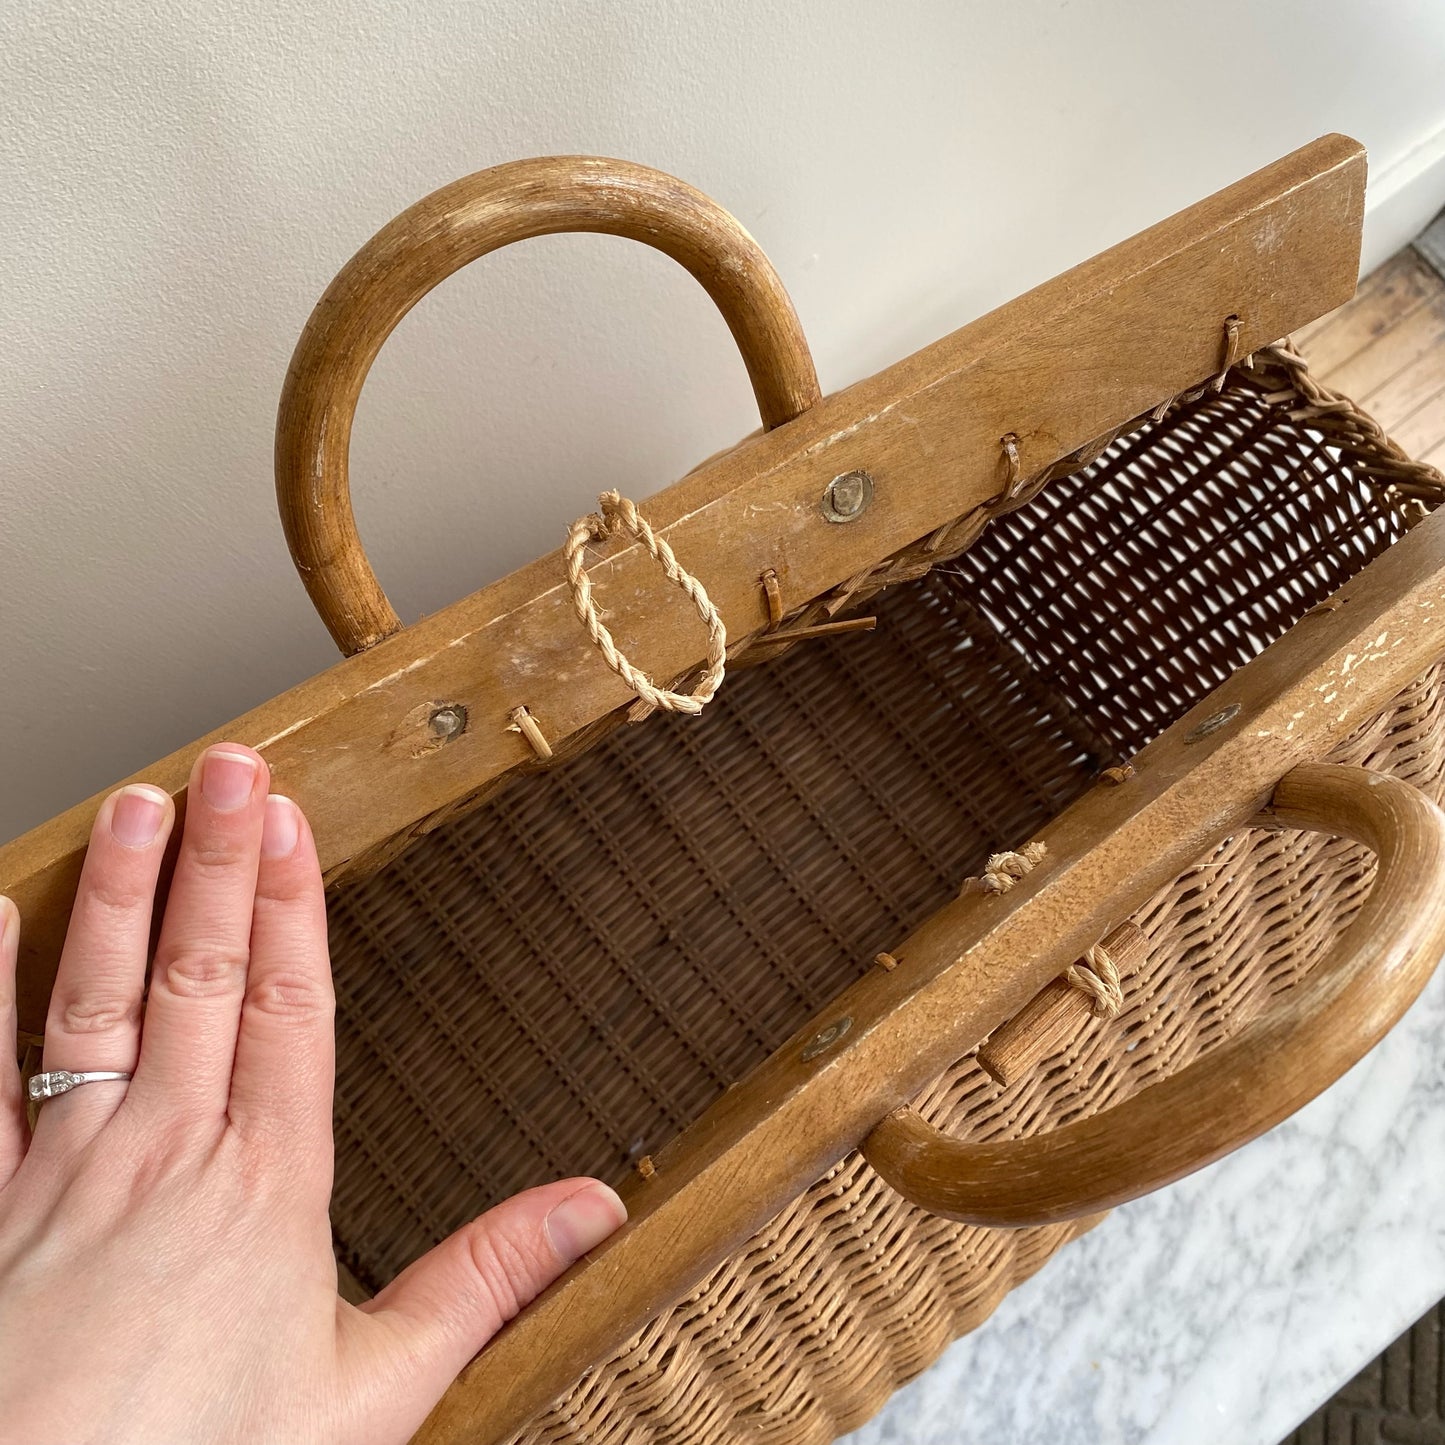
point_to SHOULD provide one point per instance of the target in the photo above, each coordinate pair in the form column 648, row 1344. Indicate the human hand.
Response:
column 166, row 1272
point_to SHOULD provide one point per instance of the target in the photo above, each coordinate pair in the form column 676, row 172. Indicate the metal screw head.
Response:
column 824, row 1039
column 447, row 721
column 847, row 496
column 1213, row 723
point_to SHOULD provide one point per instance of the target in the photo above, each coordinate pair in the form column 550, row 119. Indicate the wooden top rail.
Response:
column 1068, row 362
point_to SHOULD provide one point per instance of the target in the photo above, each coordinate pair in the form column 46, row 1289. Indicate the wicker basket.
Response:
column 563, row 980
column 672, row 953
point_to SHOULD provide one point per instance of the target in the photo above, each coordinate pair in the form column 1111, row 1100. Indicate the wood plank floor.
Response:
column 1386, row 350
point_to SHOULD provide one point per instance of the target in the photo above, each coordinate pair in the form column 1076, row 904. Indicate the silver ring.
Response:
column 62, row 1081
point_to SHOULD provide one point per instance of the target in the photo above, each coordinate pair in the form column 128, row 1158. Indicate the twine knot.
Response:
column 1003, row 870
column 619, row 514
column 1100, row 979
column 1096, row 974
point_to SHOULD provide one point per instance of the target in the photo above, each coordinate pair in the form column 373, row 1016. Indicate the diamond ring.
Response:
column 62, row 1081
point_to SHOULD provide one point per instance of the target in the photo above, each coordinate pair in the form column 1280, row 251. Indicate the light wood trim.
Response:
column 435, row 238
column 1276, row 1064
column 959, row 976
column 1066, row 363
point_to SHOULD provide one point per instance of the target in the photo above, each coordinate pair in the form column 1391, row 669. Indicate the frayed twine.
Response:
column 1003, row 870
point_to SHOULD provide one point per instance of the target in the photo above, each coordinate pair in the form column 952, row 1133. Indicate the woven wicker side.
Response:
column 850, row 1292
column 1140, row 584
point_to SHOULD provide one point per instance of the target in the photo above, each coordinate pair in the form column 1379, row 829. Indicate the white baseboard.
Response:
column 1402, row 199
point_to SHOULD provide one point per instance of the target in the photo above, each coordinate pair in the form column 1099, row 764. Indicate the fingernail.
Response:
column 227, row 778
column 280, row 829
column 9, row 922
column 137, row 815
column 583, row 1220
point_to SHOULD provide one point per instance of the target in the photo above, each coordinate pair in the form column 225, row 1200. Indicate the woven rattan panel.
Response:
column 1139, row 585
column 561, row 981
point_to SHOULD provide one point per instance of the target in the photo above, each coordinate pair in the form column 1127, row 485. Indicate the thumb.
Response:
column 439, row 1311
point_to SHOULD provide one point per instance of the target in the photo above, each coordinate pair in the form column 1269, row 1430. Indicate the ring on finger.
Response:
column 61, row 1081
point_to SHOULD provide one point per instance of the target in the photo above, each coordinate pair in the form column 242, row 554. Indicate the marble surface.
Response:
column 1229, row 1306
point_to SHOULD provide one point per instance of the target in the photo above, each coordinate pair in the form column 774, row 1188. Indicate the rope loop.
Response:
column 1099, row 978
column 618, row 514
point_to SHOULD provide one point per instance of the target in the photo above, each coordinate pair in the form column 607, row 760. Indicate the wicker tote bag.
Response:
column 1037, row 802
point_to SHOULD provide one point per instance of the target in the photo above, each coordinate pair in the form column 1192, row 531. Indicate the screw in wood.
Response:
column 847, row 496
column 447, row 721
column 1213, row 723
column 824, row 1039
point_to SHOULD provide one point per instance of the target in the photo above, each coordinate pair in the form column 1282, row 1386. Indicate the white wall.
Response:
column 180, row 180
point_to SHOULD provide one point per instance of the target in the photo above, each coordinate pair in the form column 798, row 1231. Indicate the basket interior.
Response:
column 560, row 981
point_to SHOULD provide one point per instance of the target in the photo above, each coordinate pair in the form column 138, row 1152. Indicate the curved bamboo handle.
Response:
column 1274, row 1066
column 426, row 244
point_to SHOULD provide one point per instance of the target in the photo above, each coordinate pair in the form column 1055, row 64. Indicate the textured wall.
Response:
column 181, row 180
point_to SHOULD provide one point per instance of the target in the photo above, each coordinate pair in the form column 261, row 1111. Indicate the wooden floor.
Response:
column 1386, row 350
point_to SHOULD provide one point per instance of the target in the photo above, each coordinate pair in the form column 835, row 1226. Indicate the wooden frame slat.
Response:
column 1066, row 363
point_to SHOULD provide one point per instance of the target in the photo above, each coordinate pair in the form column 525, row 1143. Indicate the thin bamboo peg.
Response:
column 1053, row 1017
column 773, row 592
column 1232, row 326
column 523, row 722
